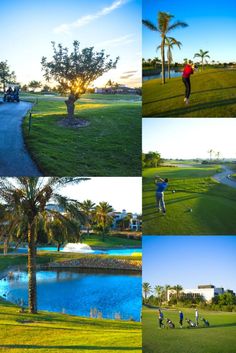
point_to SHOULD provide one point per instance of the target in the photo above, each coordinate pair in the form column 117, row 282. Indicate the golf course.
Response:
column 102, row 147
column 196, row 203
column 220, row 337
column 213, row 95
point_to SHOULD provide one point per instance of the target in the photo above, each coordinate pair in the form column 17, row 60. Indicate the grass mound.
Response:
column 50, row 332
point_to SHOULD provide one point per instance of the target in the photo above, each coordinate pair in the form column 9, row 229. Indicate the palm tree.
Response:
column 177, row 289
column 210, row 152
column 103, row 216
column 217, row 155
column 166, row 288
column 202, row 54
column 170, row 43
column 146, row 290
column 159, row 291
column 87, row 207
column 28, row 197
column 163, row 26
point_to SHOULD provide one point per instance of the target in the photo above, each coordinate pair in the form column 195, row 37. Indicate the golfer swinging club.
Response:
column 188, row 70
column 161, row 185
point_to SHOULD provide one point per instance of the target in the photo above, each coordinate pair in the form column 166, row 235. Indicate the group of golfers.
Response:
column 190, row 323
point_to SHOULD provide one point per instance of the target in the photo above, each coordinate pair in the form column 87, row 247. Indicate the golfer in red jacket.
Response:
column 188, row 70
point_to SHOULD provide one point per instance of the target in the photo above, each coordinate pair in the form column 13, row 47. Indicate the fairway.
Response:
column 213, row 95
column 49, row 332
column 220, row 337
column 199, row 205
column 101, row 149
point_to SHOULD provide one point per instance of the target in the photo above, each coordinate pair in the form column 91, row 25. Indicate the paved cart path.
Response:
column 14, row 157
column 224, row 177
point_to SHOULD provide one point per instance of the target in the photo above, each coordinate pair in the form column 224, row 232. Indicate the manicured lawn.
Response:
column 213, row 95
column 220, row 337
column 50, row 332
column 199, row 205
column 104, row 148
column 111, row 241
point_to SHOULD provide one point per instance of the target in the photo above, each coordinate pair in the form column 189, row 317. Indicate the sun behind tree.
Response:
column 75, row 71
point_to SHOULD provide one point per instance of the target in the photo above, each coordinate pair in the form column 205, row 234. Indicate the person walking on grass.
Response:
column 161, row 185
column 161, row 318
column 196, row 316
column 187, row 72
column 181, row 317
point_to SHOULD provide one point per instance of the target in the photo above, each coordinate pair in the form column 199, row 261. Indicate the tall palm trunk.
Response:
column 202, row 64
column 163, row 59
column 169, row 63
column 32, row 289
column 5, row 246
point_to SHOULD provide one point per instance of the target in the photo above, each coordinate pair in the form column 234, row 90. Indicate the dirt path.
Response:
column 14, row 157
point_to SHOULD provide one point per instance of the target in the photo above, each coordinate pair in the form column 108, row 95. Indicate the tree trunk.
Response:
column 5, row 246
column 58, row 246
column 32, row 270
column 70, row 104
column 202, row 64
column 163, row 60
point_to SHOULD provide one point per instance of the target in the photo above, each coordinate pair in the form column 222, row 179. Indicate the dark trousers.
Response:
column 187, row 84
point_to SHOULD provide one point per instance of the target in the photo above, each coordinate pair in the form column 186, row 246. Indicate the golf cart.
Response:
column 11, row 94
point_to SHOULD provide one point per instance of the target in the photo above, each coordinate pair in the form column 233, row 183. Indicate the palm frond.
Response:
column 150, row 25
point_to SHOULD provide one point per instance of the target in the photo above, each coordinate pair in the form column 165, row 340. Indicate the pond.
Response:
column 114, row 252
column 82, row 293
column 172, row 74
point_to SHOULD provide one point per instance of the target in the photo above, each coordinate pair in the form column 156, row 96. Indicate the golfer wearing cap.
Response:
column 196, row 316
column 187, row 72
column 161, row 185
column 181, row 317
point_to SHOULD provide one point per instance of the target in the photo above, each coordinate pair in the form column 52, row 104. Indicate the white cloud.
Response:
column 115, row 42
column 84, row 20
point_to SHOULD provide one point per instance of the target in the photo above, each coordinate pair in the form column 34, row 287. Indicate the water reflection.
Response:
column 107, row 295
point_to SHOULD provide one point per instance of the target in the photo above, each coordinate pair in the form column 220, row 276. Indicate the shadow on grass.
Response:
column 76, row 347
column 196, row 107
column 192, row 94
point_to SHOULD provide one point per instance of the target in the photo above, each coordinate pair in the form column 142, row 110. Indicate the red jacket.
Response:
column 188, row 70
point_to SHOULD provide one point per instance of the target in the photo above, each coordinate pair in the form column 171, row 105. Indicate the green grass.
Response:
column 233, row 176
column 213, row 95
column 111, row 241
column 213, row 204
column 50, row 332
column 104, row 148
column 220, row 337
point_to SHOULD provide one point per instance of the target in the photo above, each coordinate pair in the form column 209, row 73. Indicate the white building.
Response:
column 207, row 291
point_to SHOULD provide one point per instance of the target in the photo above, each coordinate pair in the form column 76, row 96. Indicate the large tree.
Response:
column 75, row 71
column 28, row 197
column 164, row 26
column 6, row 75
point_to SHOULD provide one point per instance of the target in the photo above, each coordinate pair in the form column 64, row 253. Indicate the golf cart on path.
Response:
column 11, row 94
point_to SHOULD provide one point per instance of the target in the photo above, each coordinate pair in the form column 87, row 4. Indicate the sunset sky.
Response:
column 28, row 27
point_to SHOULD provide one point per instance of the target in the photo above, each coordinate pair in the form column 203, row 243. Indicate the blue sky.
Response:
column 189, row 138
column 212, row 26
column 28, row 27
column 190, row 260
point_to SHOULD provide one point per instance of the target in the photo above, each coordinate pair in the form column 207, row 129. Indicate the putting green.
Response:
column 199, row 205
column 220, row 337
